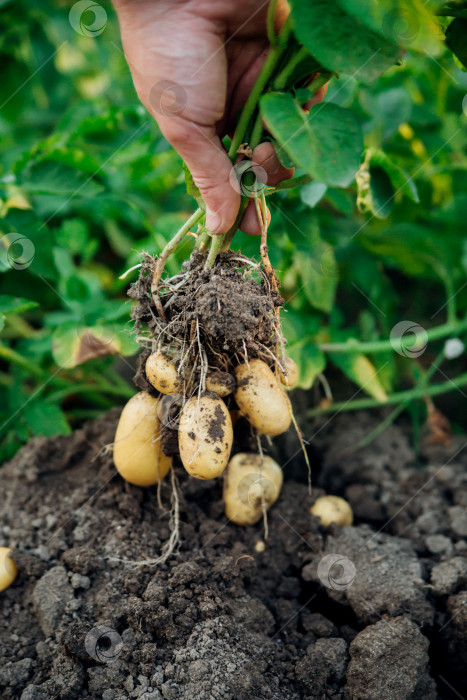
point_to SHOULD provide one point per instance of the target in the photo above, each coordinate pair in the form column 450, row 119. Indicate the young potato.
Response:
column 250, row 479
column 221, row 383
column 261, row 398
column 8, row 569
column 162, row 373
column 205, row 436
column 290, row 378
column 332, row 509
column 138, row 454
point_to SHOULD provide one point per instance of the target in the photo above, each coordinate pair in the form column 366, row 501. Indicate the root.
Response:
column 171, row 546
column 264, row 510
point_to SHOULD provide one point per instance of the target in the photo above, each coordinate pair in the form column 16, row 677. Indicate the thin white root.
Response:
column 174, row 540
column 264, row 510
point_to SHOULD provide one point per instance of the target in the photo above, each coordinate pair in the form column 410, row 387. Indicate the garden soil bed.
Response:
column 221, row 619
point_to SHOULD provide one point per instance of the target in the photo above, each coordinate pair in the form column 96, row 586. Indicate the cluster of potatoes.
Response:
column 205, row 432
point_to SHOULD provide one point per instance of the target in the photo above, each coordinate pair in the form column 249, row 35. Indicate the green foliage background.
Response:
column 86, row 176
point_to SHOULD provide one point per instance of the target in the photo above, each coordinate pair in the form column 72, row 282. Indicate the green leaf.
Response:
column 15, row 305
column 380, row 180
column 310, row 362
column 327, row 142
column 313, row 193
column 361, row 371
column 456, row 39
column 318, row 272
column 339, row 41
column 44, row 418
column 74, row 343
column 419, row 251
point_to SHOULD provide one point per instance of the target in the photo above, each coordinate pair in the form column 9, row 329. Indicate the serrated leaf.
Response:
column 310, row 361
column 44, row 418
column 361, row 371
column 327, row 142
column 339, row 41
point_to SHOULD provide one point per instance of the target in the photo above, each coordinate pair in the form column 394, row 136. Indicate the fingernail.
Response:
column 213, row 221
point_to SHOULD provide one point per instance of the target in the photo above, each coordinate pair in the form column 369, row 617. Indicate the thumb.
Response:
column 210, row 166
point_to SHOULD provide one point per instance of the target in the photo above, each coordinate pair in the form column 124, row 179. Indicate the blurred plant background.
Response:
column 87, row 182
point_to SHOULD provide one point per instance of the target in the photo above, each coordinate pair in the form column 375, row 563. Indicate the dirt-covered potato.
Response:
column 249, row 481
column 222, row 383
column 261, row 398
column 290, row 377
column 138, row 455
column 332, row 509
column 205, row 436
column 8, row 570
column 162, row 373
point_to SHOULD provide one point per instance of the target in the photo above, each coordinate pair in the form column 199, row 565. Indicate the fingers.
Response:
column 210, row 167
column 268, row 170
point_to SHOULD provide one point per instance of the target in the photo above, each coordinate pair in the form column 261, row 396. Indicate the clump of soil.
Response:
column 230, row 307
column 227, row 617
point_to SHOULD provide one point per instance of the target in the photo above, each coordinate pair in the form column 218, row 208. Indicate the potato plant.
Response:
column 211, row 334
column 87, row 179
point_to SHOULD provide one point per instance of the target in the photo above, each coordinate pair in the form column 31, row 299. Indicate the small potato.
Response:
column 138, row 454
column 250, row 479
column 261, row 398
column 221, row 383
column 205, row 436
column 290, row 377
column 162, row 373
column 8, row 569
column 332, row 509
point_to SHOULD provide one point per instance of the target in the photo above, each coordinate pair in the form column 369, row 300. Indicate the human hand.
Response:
column 194, row 63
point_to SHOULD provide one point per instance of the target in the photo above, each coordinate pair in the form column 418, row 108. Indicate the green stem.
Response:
column 281, row 80
column 272, row 36
column 418, row 392
column 15, row 358
column 288, row 184
column 397, row 344
column 270, row 63
column 423, row 382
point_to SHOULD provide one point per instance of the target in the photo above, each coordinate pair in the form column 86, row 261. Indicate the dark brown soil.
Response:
column 223, row 619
